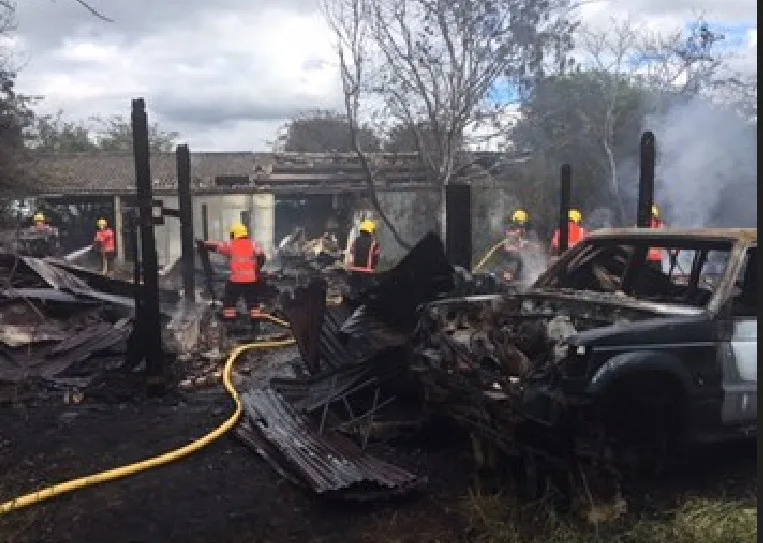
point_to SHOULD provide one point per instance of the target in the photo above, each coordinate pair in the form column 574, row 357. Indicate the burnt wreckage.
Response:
column 603, row 361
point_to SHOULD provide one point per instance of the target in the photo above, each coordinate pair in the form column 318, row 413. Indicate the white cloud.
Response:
column 752, row 38
column 226, row 78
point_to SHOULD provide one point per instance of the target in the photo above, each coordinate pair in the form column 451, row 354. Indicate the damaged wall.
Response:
column 412, row 212
column 222, row 212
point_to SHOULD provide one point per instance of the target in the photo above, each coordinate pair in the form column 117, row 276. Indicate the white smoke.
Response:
column 706, row 171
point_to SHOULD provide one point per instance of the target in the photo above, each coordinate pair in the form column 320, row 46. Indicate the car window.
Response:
column 681, row 271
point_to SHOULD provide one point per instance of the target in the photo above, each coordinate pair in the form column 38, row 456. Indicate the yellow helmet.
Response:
column 238, row 231
column 575, row 216
column 101, row 223
column 655, row 211
column 368, row 226
column 520, row 216
column 39, row 217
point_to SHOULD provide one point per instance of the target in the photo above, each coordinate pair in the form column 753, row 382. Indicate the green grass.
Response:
column 500, row 519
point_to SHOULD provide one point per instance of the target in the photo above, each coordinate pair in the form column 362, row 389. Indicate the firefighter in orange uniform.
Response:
column 576, row 232
column 105, row 243
column 655, row 255
column 364, row 257
column 246, row 260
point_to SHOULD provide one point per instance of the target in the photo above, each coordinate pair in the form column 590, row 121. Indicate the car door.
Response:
column 740, row 355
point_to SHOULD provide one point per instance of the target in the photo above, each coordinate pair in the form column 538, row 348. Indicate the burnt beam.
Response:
column 565, row 188
column 149, row 317
column 458, row 225
column 204, row 222
column 647, row 153
column 185, row 208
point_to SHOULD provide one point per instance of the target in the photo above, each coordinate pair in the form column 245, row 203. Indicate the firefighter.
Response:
column 41, row 238
column 655, row 255
column 246, row 260
column 576, row 231
column 364, row 257
column 515, row 233
column 105, row 243
column 519, row 239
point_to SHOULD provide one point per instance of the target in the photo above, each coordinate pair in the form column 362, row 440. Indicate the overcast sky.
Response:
column 226, row 74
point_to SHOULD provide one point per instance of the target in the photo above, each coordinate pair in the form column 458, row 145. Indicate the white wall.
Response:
column 222, row 212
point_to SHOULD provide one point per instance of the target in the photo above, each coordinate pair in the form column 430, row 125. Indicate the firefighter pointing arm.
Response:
column 105, row 243
column 246, row 261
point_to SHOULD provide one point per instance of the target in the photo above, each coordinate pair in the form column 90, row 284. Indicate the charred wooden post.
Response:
column 150, row 319
column 458, row 225
column 135, row 348
column 185, row 207
column 204, row 223
column 564, row 207
column 646, row 180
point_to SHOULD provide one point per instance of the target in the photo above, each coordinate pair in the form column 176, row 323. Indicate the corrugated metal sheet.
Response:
column 328, row 463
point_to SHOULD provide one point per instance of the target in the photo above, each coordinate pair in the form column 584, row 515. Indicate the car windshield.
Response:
column 655, row 269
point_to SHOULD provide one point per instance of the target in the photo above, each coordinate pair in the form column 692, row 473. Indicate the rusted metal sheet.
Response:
column 328, row 463
column 298, row 424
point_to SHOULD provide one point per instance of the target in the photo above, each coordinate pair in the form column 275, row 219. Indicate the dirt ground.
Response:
column 226, row 493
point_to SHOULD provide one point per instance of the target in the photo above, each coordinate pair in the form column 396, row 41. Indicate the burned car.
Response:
column 605, row 355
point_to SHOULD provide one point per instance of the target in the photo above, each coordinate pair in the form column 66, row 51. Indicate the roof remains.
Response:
column 114, row 173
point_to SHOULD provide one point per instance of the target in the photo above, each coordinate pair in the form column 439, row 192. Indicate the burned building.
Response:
column 270, row 192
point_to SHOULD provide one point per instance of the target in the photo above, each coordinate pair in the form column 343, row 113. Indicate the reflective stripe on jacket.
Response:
column 244, row 254
column 106, row 240
column 576, row 235
column 364, row 253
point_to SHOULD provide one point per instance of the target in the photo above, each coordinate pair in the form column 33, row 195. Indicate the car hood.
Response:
column 616, row 304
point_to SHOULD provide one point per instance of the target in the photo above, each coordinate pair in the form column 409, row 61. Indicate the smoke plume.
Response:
column 706, row 171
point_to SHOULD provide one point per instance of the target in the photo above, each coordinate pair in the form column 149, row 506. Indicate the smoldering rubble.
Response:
column 65, row 329
column 361, row 371
column 430, row 342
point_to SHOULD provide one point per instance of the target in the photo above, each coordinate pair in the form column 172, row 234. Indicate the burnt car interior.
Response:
column 687, row 275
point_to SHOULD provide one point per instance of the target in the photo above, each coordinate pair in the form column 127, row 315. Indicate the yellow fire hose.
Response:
column 487, row 256
column 275, row 320
column 162, row 459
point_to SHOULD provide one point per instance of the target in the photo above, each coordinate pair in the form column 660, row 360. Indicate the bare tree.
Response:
column 10, row 5
column 611, row 53
column 434, row 63
column 625, row 56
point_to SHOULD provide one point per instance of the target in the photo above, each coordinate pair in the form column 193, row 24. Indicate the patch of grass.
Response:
column 502, row 519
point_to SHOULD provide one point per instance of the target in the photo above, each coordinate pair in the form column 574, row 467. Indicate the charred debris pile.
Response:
column 64, row 329
column 369, row 371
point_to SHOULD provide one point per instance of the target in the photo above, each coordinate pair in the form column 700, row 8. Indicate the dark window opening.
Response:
column 246, row 218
